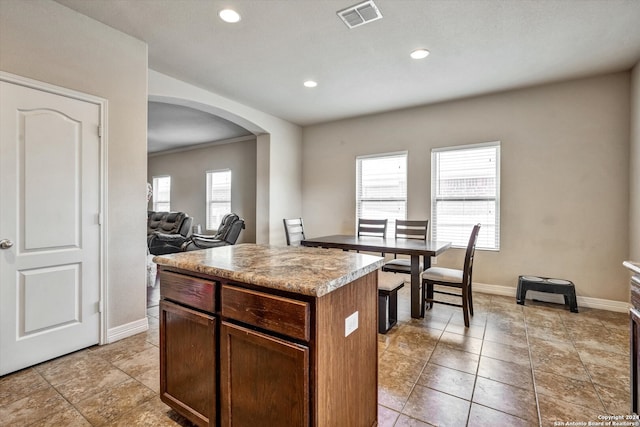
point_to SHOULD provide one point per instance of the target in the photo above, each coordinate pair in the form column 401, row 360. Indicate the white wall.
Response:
column 188, row 170
column 634, row 199
column 278, row 163
column 564, row 171
column 45, row 41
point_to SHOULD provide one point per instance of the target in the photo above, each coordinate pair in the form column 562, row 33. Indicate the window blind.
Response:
column 162, row 193
column 218, row 197
column 382, row 188
column 465, row 190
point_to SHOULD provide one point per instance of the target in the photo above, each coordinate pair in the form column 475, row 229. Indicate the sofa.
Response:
column 167, row 231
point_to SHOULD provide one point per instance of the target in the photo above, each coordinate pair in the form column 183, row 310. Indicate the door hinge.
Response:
column 100, row 131
column 100, row 306
column 99, row 217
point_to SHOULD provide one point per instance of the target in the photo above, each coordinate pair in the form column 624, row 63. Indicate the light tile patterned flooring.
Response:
column 515, row 366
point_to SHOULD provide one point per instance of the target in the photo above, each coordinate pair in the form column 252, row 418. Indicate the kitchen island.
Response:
column 634, row 334
column 256, row 335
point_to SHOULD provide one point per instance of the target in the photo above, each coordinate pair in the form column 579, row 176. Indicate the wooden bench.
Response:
column 388, row 286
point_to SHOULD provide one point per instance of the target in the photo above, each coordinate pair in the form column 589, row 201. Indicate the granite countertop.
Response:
column 307, row 271
column 633, row 266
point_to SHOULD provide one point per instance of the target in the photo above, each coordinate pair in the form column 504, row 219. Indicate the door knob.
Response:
column 5, row 244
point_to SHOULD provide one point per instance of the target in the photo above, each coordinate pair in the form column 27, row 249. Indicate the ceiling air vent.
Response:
column 360, row 14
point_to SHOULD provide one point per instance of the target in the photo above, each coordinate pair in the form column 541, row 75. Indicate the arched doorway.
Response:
column 187, row 141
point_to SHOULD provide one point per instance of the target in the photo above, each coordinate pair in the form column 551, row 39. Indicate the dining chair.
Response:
column 460, row 279
column 406, row 229
column 294, row 230
column 372, row 227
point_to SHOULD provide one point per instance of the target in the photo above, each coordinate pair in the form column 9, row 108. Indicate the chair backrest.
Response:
column 372, row 227
column 234, row 231
column 294, row 230
column 168, row 223
column 470, row 255
column 229, row 228
column 410, row 229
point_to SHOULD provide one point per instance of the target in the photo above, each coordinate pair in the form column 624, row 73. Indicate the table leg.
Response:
column 416, row 295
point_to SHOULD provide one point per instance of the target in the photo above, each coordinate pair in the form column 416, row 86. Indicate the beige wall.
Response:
column 564, row 146
column 188, row 184
column 634, row 212
column 564, row 171
column 45, row 41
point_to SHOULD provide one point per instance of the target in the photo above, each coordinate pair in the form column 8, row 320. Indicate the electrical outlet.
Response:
column 350, row 324
column 434, row 260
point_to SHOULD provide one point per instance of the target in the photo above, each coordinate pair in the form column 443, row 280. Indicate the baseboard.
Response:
column 127, row 330
column 587, row 302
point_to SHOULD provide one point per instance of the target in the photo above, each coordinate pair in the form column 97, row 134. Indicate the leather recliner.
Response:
column 227, row 234
column 167, row 231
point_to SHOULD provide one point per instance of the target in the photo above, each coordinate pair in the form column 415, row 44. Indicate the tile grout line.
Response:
column 573, row 343
column 475, row 377
column 533, row 375
column 62, row 396
column 413, row 387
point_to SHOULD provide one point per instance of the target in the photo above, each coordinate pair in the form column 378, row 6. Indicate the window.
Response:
column 465, row 190
column 381, row 188
column 218, row 197
column 162, row 193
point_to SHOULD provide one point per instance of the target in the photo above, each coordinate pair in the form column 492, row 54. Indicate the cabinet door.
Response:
column 188, row 362
column 634, row 348
column 264, row 380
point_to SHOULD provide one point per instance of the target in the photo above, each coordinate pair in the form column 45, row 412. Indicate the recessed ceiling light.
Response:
column 228, row 15
column 419, row 53
column 310, row 83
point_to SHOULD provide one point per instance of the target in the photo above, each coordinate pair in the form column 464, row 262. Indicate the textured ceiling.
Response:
column 477, row 47
column 173, row 126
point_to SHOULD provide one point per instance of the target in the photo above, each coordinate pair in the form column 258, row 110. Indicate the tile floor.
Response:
column 515, row 366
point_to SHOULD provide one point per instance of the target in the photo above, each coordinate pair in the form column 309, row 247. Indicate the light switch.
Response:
column 350, row 324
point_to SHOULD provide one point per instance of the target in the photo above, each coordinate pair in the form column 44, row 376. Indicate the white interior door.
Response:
column 49, row 225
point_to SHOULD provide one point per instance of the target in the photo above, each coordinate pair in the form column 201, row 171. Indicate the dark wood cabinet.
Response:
column 235, row 354
column 635, row 360
column 188, row 362
column 264, row 380
column 634, row 336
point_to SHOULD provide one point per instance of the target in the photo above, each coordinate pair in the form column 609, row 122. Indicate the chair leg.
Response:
column 427, row 293
column 470, row 293
column 430, row 293
column 423, row 295
column 465, row 305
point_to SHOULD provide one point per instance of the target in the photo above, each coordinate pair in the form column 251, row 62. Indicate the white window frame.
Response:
column 158, row 201
column 211, row 223
column 443, row 229
column 402, row 198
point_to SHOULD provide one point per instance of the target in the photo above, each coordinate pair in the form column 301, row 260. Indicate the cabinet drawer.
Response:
column 190, row 291
column 281, row 315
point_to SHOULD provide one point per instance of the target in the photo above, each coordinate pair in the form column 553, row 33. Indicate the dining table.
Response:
column 412, row 247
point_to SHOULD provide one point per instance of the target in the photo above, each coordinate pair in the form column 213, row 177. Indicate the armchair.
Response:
column 228, row 233
column 167, row 231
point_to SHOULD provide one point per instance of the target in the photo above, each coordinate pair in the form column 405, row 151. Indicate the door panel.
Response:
column 49, row 206
column 51, row 148
column 39, row 289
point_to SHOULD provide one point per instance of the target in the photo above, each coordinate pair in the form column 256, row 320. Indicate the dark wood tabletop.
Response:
column 377, row 244
column 412, row 247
